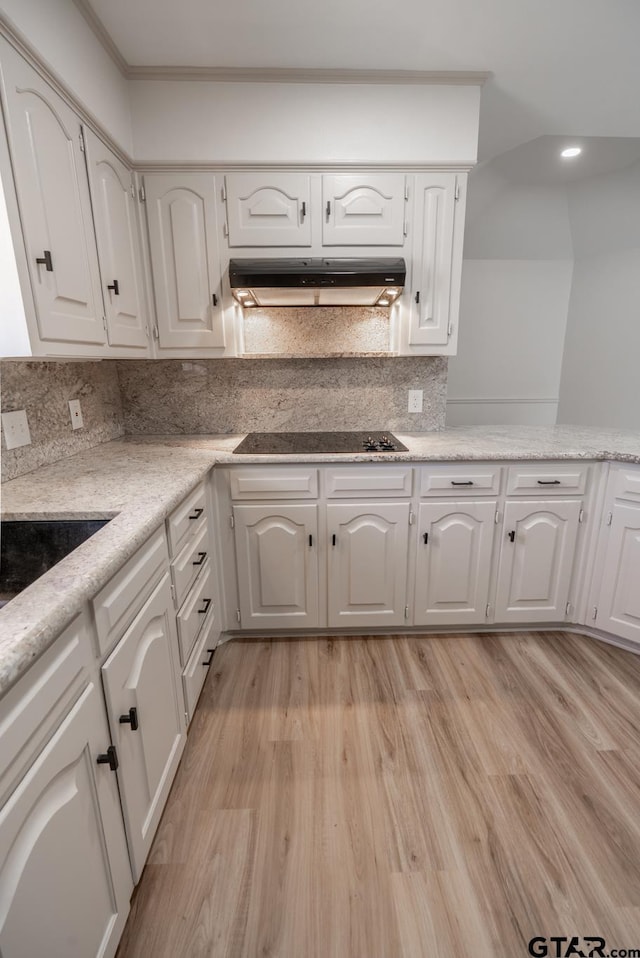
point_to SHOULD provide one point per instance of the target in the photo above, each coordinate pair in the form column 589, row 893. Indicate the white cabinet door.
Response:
column 55, row 208
column 268, row 209
column 364, row 209
column 453, row 565
column 619, row 599
column 277, row 556
column 368, row 552
column 119, row 248
column 185, row 258
column 436, row 270
column 536, row 560
column 65, row 879
column 141, row 688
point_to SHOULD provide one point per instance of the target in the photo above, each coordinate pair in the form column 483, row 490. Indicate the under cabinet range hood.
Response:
column 374, row 281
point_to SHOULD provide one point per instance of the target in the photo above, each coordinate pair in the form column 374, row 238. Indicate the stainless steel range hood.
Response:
column 374, row 281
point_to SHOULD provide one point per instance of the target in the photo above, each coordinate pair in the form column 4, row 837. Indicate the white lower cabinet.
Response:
column 367, row 544
column 453, row 562
column 536, row 560
column 65, row 880
column 146, row 717
column 277, row 560
column 618, row 599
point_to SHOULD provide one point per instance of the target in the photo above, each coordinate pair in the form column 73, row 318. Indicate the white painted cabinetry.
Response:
column 45, row 139
column 65, row 879
column 616, row 596
column 364, row 209
column 185, row 260
column 119, row 247
column 268, row 209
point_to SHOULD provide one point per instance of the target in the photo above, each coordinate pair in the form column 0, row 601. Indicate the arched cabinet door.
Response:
column 453, row 562
column 65, row 880
column 536, row 560
column 119, row 247
column 185, row 259
column 45, row 137
column 277, row 556
column 367, row 547
column 365, row 209
column 268, row 209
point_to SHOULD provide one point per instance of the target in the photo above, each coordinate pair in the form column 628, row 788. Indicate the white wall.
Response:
column 601, row 368
column 211, row 122
column 516, row 281
column 62, row 37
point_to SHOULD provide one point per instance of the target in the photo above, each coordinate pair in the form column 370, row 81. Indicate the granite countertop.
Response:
column 138, row 481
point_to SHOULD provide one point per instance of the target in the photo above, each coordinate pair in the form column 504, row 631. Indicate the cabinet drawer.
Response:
column 198, row 666
column 460, row 480
column 119, row 601
column 547, row 478
column 278, row 483
column 183, row 520
column 346, row 482
column 626, row 484
column 189, row 563
column 31, row 709
column 196, row 610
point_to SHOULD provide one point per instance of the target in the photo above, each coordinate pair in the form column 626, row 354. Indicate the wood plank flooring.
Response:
column 410, row 796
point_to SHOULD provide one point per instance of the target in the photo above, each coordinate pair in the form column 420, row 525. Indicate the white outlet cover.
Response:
column 415, row 400
column 75, row 412
column 16, row 429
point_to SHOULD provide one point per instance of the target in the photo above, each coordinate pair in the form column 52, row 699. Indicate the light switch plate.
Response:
column 415, row 400
column 76, row 414
column 16, row 429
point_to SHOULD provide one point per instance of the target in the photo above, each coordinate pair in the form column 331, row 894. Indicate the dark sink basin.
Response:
column 29, row 548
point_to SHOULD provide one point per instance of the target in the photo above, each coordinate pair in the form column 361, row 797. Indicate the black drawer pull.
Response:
column 310, row 539
column 214, row 299
column 418, row 298
column 512, row 536
column 203, row 556
column 210, row 659
column 205, row 608
column 425, row 536
column 130, row 719
column 333, row 539
column 549, row 482
column 304, row 209
column 328, row 208
column 469, row 482
column 115, row 286
column 197, row 513
column 46, row 261
column 110, row 758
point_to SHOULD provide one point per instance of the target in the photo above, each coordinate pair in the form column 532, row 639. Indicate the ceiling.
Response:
column 567, row 67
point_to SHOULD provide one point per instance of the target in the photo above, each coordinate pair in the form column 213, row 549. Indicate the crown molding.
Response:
column 176, row 166
column 103, row 35
column 282, row 75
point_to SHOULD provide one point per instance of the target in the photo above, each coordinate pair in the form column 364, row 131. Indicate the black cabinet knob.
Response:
column 46, row 261
column 131, row 718
column 115, row 286
column 110, row 758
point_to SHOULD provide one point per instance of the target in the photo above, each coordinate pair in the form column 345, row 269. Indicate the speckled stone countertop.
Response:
column 138, row 481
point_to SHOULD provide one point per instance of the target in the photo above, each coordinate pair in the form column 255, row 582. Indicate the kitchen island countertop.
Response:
column 138, row 481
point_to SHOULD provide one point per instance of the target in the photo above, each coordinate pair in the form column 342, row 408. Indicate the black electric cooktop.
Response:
column 308, row 443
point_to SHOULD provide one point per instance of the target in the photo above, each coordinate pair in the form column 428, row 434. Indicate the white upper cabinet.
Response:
column 268, row 209
column 185, row 259
column 363, row 209
column 437, row 260
column 119, row 249
column 55, row 209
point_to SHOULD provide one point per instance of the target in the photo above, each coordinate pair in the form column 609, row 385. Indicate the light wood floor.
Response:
column 408, row 796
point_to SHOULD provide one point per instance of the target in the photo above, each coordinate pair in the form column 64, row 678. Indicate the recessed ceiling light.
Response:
column 571, row 151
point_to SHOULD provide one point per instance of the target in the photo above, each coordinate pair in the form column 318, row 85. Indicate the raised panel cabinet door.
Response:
column 185, row 259
column 619, row 599
column 433, row 273
column 55, row 208
column 367, row 563
column 65, row 880
column 536, row 560
column 277, row 556
column 268, row 209
column 146, row 716
column 453, row 562
column 119, row 248
column 364, row 209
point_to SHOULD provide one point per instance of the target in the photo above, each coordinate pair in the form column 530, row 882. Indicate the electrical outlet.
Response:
column 16, row 429
column 76, row 414
column 415, row 400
